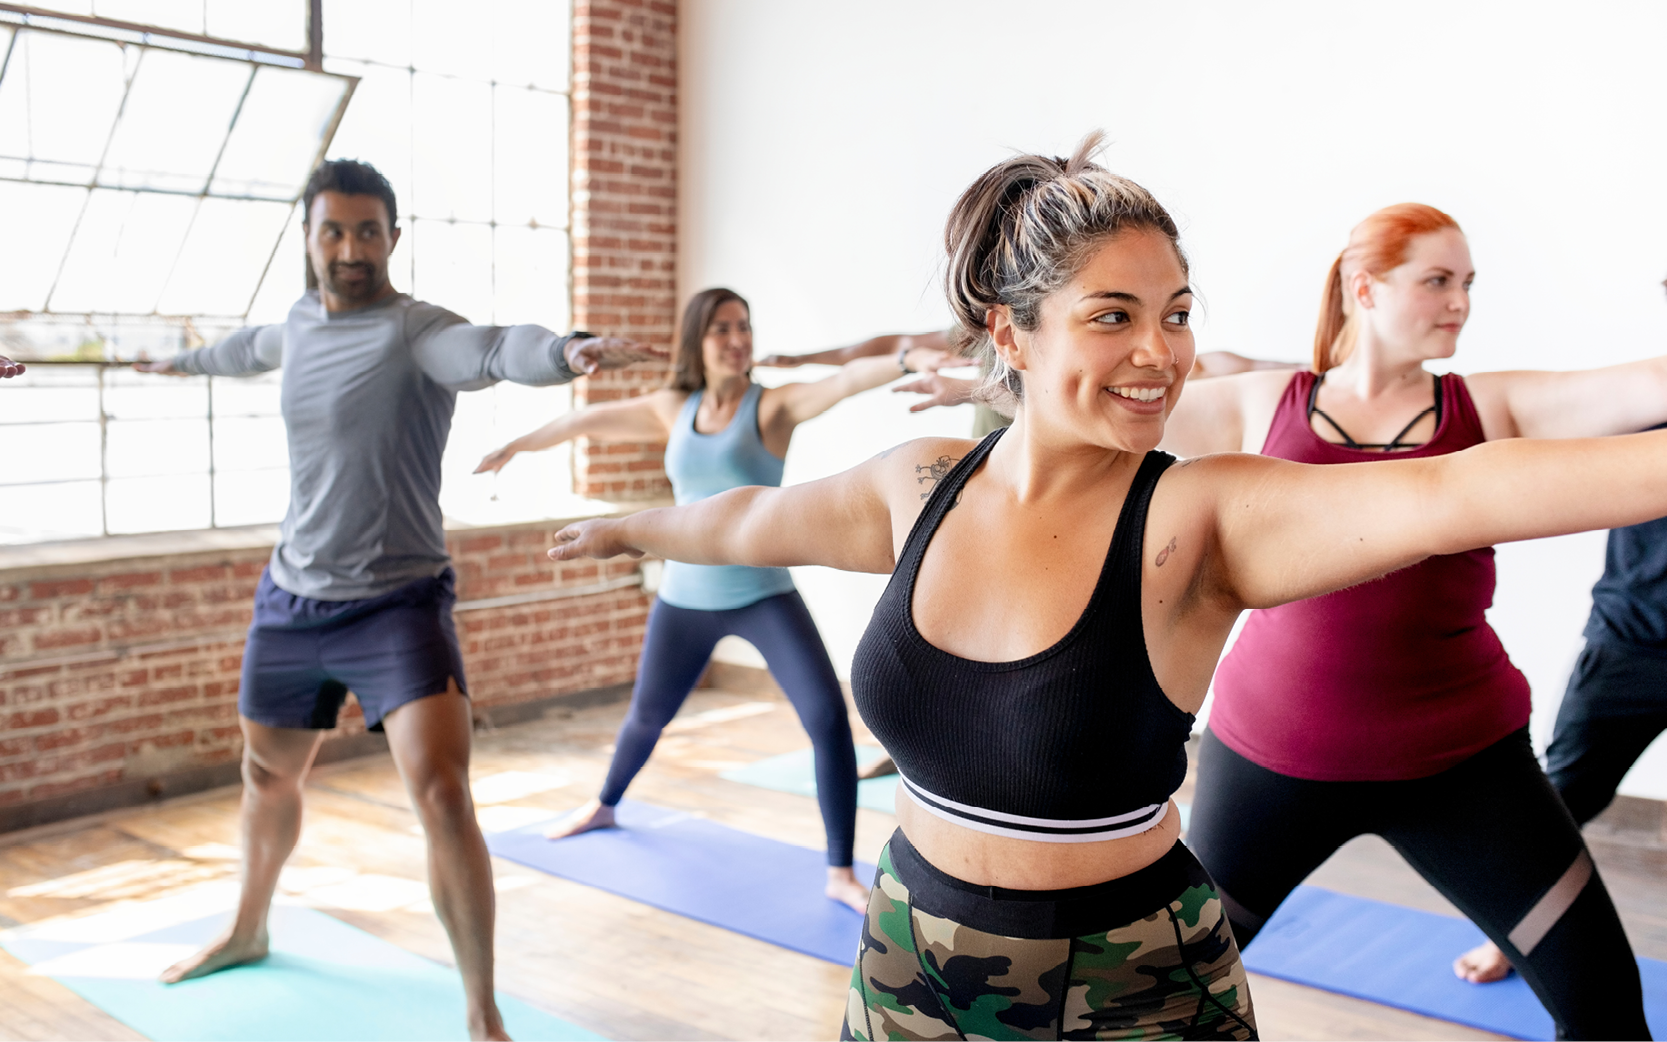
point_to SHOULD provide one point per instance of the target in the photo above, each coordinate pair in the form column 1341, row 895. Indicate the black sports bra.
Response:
column 1074, row 744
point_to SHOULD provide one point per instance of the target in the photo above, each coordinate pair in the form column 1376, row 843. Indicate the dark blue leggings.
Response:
column 675, row 651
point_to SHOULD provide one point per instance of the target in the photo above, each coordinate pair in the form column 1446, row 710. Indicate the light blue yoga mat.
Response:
column 324, row 980
column 1403, row 957
column 795, row 772
column 696, row 868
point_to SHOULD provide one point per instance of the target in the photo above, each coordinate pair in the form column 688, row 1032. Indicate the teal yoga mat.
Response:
column 795, row 772
column 324, row 979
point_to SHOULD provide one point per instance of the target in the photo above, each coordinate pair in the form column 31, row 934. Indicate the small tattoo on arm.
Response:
column 1163, row 555
column 934, row 472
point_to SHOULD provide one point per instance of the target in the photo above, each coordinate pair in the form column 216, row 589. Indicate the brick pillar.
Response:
column 624, row 215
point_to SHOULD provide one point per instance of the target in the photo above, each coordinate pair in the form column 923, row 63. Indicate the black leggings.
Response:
column 1490, row 834
column 675, row 651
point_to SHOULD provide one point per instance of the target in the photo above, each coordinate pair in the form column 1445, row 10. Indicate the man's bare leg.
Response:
column 1483, row 964
column 275, row 763
column 430, row 742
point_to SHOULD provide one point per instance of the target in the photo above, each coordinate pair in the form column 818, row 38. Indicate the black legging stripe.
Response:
column 1490, row 834
column 676, row 648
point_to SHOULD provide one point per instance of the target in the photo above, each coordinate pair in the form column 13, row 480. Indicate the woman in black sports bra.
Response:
column 1059, row 596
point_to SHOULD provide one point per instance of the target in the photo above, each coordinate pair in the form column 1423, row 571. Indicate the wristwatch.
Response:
column 903, row 360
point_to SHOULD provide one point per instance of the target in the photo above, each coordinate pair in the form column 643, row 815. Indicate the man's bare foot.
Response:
column 592, row 815
column 878, row 768
column 1483, row 964
column 230, row 950
column 844, row 888
column 488, row 1027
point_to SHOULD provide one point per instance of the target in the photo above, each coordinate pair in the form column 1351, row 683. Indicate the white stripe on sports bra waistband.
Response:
column 1043, row 830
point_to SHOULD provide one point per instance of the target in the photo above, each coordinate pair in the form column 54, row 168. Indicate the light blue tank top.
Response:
column 702, row 465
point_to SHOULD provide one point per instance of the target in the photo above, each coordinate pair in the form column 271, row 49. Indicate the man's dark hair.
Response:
column 349, row 177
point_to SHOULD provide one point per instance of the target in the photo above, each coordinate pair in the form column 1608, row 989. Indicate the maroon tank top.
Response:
column 1400, row 677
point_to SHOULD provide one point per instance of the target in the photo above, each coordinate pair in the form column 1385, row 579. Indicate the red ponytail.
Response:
column 1377, row 245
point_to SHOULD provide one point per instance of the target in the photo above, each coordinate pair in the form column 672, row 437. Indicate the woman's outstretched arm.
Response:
column 789, row 405
column 889, row 345
column 851, row 521
column 1587, row 403
column 1288, row 530
column 647, row 417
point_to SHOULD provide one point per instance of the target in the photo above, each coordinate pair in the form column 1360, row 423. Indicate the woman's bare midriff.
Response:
column 1022, row 864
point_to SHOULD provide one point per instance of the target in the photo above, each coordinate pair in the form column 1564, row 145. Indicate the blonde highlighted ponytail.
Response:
column 1022, row 230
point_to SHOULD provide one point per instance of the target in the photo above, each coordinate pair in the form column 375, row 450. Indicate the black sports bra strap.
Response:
column 941, row 499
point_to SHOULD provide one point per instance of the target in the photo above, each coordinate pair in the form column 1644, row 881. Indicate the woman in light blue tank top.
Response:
column 723, row 431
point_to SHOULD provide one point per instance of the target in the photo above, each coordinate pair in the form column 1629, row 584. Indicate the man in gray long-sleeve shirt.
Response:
column 359, row 590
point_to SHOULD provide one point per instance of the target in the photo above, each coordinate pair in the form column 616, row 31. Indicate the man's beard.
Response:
column 369, row 287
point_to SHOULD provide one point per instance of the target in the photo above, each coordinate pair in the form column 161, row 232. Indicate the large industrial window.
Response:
column 148, row 187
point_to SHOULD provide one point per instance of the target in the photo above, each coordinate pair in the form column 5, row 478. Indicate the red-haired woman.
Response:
column 1391, row 707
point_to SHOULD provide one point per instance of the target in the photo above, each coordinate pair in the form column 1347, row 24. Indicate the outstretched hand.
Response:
column 10, row 368
column 598, row 538
column 165, row 367
column 594, row 354
column 930, row 359
column 494, row 461
column 939, row 389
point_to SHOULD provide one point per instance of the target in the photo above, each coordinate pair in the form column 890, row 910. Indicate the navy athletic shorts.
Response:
column 303, row 655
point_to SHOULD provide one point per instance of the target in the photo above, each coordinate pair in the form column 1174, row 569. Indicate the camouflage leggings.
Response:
column 1174, row 973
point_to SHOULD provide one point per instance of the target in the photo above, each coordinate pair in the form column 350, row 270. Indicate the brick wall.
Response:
column 624, row 214
column 123, row 674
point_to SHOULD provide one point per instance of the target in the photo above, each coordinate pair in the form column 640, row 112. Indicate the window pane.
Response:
column 241, row 397
column 58, row 101
column 286, row 277
column 453, row 265
column 530, row 270
column 123, row 249
column 530, row 42
column 44, row 217
column 185, row 15
column 257, row 497
column 278, row 134
column 174, row 123
column 157, row 504
column 52, row 394
column 448, row 40
column 141, row 396
column 452, row 146
column 377, row 125
column 51, row 512
column 73, row 453
column 149, row 448
column 243, row 444
column 224, row 255
column 529, row 160
column 274, row 23
column 374, row 30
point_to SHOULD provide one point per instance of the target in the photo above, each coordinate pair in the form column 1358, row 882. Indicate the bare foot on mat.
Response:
column 223, row 954
column 844, row 888
column 1482, row 965
column 590, row 816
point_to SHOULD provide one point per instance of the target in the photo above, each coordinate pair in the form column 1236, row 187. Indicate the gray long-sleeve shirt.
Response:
column 367, row 398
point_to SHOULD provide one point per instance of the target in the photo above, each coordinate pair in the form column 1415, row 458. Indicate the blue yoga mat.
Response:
column 795, row 772
column 697, row 868
column 1403, row 957
column 324, row 980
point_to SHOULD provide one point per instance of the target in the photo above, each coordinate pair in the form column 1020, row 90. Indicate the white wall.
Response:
column 823, row 144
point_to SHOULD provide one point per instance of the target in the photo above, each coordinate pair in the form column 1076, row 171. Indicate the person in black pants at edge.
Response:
column 1616, row 703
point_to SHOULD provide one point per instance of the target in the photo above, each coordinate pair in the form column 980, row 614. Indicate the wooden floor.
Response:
column 621, row 969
